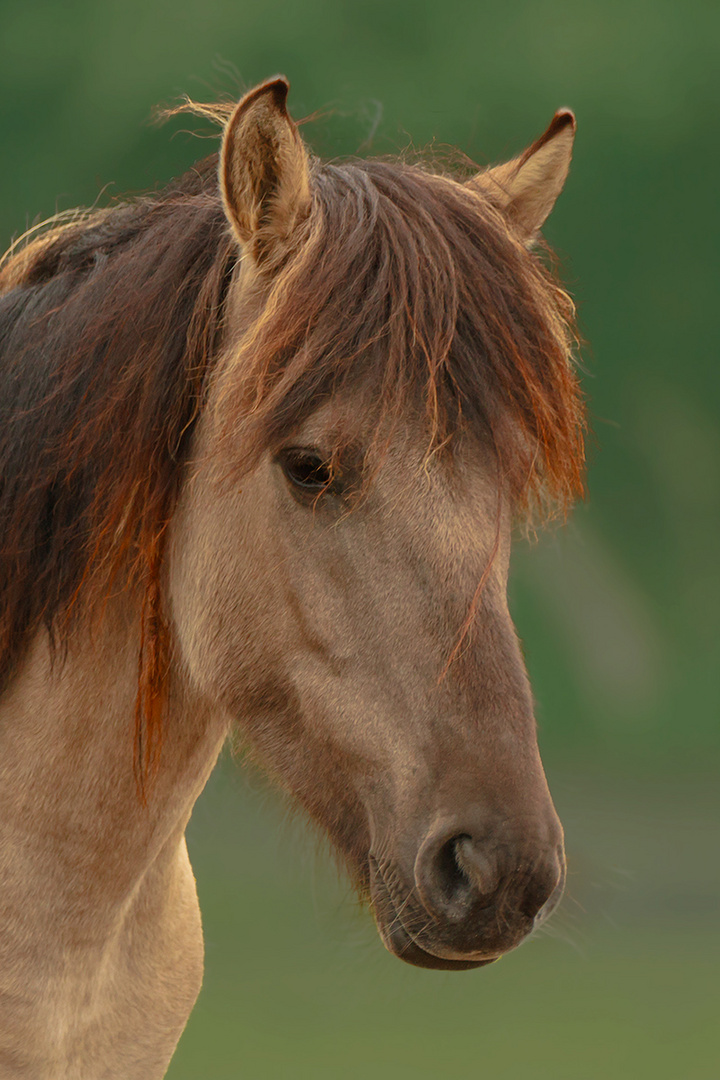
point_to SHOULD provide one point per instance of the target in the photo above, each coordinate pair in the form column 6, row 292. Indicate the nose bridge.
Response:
column 492, row 761
column 484, row 724
column 465, row 736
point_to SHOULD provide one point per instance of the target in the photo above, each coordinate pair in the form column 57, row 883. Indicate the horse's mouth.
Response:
column 402, row 942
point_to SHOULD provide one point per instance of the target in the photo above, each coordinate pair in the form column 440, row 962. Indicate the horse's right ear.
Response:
column 264, row 171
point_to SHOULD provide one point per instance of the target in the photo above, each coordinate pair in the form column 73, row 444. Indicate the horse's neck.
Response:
column 100, row 944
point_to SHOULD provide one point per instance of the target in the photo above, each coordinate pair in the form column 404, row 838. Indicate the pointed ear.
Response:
column 528, row 186
column 264, row 171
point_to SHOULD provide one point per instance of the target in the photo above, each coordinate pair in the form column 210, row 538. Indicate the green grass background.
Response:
column 618, row 611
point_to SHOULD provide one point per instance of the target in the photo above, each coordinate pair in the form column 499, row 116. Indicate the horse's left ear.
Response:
column 264, row 171
column 528, row 186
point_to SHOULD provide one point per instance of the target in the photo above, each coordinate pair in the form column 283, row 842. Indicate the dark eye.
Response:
column 305, row 469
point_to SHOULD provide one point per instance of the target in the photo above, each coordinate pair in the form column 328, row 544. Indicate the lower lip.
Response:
column 400, row 944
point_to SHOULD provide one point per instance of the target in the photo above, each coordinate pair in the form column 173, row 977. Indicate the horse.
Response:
column 265, row 436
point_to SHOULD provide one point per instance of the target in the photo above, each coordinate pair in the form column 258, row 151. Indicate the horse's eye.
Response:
column 305, row 469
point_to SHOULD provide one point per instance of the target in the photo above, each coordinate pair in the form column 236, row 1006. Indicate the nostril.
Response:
column 453, row 875
column 455, row 883
column 458, row 875
column 476, row 866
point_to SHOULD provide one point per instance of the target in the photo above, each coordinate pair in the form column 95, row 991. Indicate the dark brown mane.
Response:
column 107, row 326
column 402, row 282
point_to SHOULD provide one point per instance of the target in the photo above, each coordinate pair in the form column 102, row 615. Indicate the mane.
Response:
column 108, row 324
column 403, row 283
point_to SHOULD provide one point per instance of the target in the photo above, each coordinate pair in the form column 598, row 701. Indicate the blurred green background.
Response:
column 618, row 611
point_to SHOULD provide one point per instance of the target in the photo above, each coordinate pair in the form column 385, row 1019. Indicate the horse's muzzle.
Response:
column 466, row 900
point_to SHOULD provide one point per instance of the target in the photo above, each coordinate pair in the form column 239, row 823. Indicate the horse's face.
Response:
column 324, row 627
column 348, row 636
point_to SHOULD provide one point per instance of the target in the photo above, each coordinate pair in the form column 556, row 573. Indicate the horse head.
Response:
column 392, row 389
